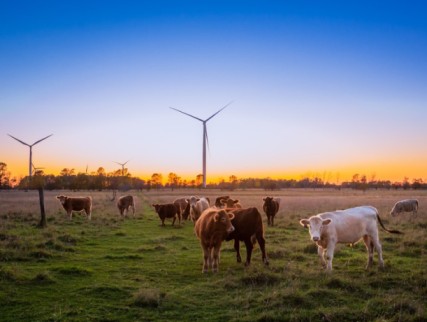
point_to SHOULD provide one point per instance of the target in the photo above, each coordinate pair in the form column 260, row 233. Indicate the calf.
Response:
column 212, row 228
column 346, row 227
column 271, row 207
column 406, row 205
column 124, row 203
column 230, row 203
column 79, row 204
column 248, row 226
column 181, row 204
column 196, row 210
column 167, row 210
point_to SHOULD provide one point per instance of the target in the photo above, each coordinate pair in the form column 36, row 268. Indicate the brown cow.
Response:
column 230, row 203
column 271, row 207
column 212, row 228
column 181, row 204
column 79, row 204
column 247, row 225
column 124, row 203
column 167, row 210
column 218, row 201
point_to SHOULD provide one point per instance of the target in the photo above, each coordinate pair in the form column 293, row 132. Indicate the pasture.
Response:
column 132, row 269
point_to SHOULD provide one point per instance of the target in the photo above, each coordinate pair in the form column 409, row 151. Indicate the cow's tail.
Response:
column 390, row 231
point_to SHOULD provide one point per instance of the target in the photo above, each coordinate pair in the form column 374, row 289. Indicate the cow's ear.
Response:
column 216, row 217
column 197, row 199
column 326, row 222
column 231, row 215
column 304, row 222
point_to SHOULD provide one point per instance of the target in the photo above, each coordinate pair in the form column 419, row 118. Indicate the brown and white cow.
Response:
column 167, row 210
column 271, row 207
column 212, row 228
column 124, row 203
column 197, row 209
column 248, row 228
column 231, row 203
column 406, row 205
column 79, row 204
column 346, row 227
column 181, row 204
column 219, row 200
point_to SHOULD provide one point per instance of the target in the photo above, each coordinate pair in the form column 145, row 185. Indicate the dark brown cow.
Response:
column 218, row 201
column 212, row 228
column 271, row 207
column 124, row 203
column 180, row 204
column 247, row 225
column 79, row 204
column 167, row 210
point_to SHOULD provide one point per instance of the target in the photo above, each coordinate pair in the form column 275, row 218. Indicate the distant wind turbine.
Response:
column 205, row 136
column 30, row 167
column 123, row 166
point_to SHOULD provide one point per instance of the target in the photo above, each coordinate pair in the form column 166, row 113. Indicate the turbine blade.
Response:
column 19, row 140
column 218, row 111
column 187, row 114
column 41, row 140
column 126, row 162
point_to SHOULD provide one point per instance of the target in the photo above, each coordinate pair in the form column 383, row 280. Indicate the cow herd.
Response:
column 227, row 220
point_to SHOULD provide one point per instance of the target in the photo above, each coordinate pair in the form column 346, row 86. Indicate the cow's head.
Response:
column 224, row 218
column 62, row 199
column 219, row 201
column 156, row 207
column 315, row 225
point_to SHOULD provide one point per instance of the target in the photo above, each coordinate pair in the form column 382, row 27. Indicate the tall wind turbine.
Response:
column 123, row 166
column 30, row 168
column 205, row 136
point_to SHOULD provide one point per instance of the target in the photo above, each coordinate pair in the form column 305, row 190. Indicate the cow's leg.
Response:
column 70, row 214
column 261, row 241
column 329, row 256
column 215, row 257
column 321, row 253
column 269, row 220
column 237, row 248
column 179, row 218
column 370, row 249
column 206, row 259
column 174, row 218
column 272, row 220
column 249, row 247
column 376, row 241
column 133, row 209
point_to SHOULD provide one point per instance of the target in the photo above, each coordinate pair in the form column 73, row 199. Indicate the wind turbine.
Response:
column 123, row 166
column 31, row 151
column 205, row 136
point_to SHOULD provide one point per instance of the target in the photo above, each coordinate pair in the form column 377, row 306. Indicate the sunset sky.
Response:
column 335, row 87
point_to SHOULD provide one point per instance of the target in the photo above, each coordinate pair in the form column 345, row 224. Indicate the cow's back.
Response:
column 247, row 222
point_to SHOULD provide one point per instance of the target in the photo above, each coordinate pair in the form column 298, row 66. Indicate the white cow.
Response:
column 406, row 205
column 197, row 208
column 346, row 227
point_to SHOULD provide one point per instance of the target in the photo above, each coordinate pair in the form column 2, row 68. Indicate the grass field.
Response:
column 114, row 269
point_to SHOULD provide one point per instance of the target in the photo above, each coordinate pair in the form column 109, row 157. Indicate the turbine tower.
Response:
column 205, row 136
column 30, row 167
column 123, row 166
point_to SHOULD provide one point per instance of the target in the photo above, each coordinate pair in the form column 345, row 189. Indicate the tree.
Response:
column 156, row 180
column 173, row 180
column 4, row 176
column 199, row 180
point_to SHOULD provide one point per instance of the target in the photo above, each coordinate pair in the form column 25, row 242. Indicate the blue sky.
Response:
column 336, row 87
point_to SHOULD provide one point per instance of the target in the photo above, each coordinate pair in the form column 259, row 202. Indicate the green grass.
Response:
column 113, row 269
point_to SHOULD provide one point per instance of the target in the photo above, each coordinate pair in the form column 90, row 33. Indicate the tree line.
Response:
column 122, row 180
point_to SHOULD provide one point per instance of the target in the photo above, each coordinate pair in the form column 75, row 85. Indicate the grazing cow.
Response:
column 218, row 201
column 248, row 228
column 230, row 203
column 167, row 210
column 79, row 204
column 124, row 203
column 346, row 227
column 271, row 207
column 406, row 205
column 212, row 228
column 180, row 205
column 196, row 210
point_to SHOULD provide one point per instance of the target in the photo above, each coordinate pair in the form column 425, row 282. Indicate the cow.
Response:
column 406, row 205
column 218, row 201
column 79, row 204
column 271, row 207
column 124, row 203
column 346, row 227
column 181, row 204
column 196, row 209
column 248, row 227
column 211, row 229
column 231, row 203
column 167, row 210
